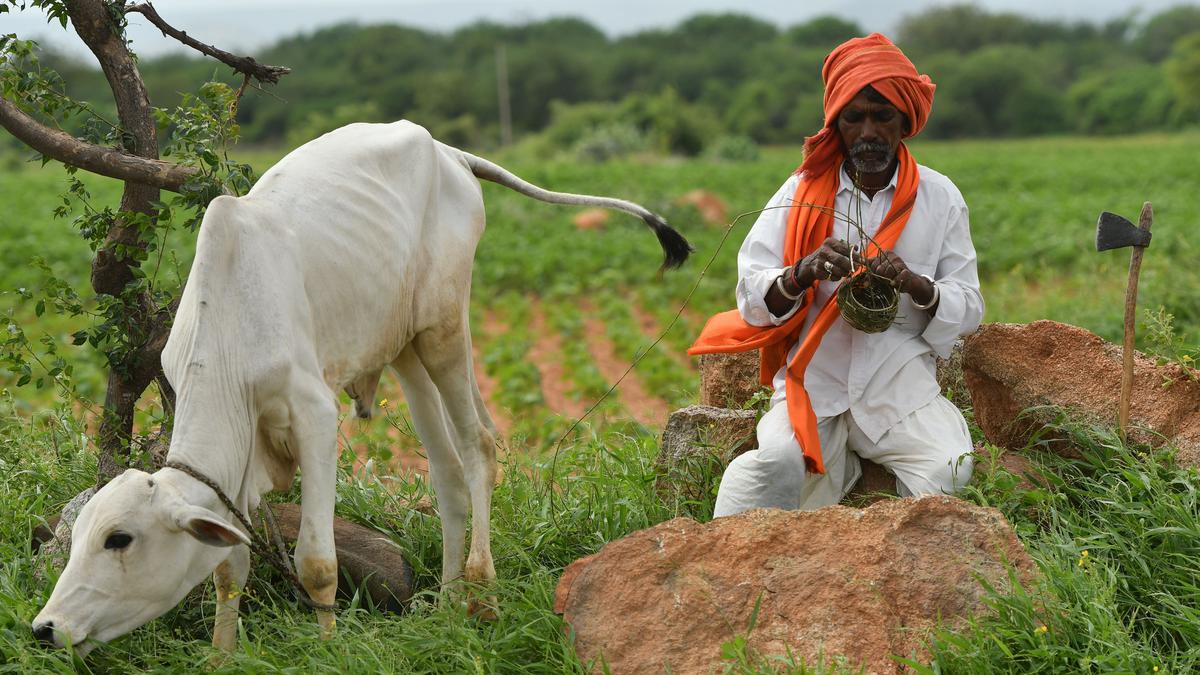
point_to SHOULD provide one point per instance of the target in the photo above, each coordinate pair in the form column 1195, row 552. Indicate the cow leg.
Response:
column 485, row 415
column 230, row 579
column 445, row 466
column 446, row 355
column 314, row 433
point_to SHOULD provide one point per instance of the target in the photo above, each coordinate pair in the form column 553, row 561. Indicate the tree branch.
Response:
column 67, row 149
column 242, row 64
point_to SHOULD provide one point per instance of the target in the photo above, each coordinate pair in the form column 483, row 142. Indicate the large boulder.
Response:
column 863, row 584
column 1011, row 368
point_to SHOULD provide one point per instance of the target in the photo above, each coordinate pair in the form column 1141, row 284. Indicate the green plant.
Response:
column 733, row 149
column 1169, row 347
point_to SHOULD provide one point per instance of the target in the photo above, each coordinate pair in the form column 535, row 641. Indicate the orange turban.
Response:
column 874, row 61
column 850, row 68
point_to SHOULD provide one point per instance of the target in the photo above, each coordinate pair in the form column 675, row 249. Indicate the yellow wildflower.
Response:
column 383, row 403
column 1041, row 629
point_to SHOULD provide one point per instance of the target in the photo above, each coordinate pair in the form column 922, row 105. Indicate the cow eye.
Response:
column 117, row 541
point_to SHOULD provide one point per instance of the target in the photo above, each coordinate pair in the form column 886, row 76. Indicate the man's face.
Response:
column 871, row 129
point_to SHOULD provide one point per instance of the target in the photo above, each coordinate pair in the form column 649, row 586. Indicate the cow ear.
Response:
column 208, row 528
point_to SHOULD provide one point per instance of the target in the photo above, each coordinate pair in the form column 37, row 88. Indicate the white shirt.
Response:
column 880, row 378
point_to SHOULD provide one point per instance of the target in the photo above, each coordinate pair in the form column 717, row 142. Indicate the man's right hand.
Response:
column 831, row 261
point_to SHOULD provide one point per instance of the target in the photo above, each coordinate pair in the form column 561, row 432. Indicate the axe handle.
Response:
column 1135, row 266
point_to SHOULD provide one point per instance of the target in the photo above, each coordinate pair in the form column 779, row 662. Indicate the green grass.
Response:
column 1115, row 535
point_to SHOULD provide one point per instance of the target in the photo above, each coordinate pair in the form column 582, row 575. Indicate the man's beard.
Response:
column 865, row 165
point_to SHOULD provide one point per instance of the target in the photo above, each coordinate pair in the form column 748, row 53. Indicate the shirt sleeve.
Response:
column 960, row 304
column 760, row 260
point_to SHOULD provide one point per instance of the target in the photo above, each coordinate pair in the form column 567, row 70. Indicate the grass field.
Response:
column 559, row 313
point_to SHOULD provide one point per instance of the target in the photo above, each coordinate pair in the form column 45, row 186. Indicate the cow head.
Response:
column 137, row 548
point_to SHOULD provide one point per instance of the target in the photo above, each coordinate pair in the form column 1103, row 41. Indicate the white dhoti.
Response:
column 928, row 451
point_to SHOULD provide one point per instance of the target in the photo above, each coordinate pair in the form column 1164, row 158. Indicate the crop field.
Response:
column 558, row 315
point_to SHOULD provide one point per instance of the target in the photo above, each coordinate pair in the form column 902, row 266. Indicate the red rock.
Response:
column 711, row 207
column 864, row 584
column 1010, row 368
column 729, row 380
column 591, row 219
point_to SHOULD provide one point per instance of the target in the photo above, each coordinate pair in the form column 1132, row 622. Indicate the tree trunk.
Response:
column 113, row 267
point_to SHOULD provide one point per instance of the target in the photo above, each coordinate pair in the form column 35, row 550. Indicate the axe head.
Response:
column 1113, row 231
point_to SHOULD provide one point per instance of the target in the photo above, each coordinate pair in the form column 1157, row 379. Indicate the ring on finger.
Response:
column 828, row 270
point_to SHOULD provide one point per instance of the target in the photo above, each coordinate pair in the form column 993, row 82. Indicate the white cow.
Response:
column 353, row 253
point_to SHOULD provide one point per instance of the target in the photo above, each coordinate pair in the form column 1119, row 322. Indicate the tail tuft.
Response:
column 675, row 247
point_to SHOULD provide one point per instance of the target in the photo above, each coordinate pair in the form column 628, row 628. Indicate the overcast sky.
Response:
column 246, row 25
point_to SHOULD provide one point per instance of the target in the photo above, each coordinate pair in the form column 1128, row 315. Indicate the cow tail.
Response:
column 675, row 247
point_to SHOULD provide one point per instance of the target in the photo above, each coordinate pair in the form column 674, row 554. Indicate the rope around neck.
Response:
column 277, row 558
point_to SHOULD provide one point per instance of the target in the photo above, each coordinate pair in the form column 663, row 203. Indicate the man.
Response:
column 838, row 389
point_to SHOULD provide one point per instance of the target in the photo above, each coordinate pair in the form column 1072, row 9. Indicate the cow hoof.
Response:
column 328, row 623
column 484, row 609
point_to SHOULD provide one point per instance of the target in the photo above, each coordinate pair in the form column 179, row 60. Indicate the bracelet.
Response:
column 784, row 293
column 932, row 301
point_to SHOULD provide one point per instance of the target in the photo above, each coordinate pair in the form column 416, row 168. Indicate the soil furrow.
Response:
column 646, row 408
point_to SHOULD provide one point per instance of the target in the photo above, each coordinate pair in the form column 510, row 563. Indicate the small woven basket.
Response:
column 868, row 302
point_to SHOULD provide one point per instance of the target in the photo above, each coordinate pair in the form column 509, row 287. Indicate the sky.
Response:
column 247, row 25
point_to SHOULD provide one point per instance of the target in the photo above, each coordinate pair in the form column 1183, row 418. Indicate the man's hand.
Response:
column 831, row 261
column 891, row 266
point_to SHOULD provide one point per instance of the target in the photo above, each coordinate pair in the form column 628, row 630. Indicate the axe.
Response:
column 1113, row 231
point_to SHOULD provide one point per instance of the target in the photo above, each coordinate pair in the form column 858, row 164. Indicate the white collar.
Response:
column 847, row 183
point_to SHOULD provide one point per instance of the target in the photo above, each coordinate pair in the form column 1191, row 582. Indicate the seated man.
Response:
column 838, row 389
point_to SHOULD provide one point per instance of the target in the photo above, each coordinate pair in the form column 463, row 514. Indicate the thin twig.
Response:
column 242, row 64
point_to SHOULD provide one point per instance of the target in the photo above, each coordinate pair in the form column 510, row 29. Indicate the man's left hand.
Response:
column 891, row 266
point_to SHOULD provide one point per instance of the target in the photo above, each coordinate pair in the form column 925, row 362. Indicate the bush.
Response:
column 609, row 141
column 733, row 149
column 662, row 123
column 318, row 123
column 1124, row 101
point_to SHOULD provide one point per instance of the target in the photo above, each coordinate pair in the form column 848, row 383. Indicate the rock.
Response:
column 728, row 380
column 725, row 429
column 1010, row 368
column 367, row 559
column 876, row 484
column 863, row 584
column 591, row 219
column 53, row 554
column 950, row 375
column 697, row 444
column 712, row 208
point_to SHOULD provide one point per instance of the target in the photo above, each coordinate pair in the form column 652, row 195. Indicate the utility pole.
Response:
column 502, row 94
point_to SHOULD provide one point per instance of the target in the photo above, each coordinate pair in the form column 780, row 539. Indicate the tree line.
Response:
column 713, row 79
